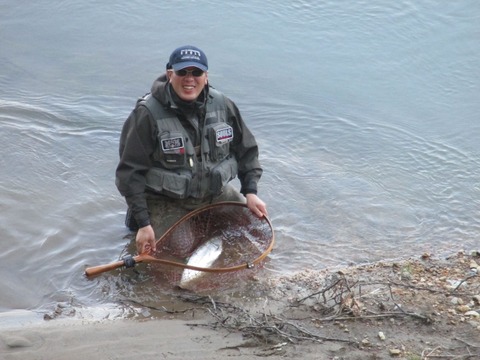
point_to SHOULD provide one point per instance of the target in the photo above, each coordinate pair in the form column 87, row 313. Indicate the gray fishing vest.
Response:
column 180, row 171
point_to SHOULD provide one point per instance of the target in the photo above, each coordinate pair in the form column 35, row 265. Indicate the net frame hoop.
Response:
column 246, row 265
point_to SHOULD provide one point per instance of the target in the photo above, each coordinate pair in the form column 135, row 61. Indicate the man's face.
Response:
column 188, row 83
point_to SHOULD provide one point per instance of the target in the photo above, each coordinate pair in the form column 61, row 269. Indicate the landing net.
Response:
column 244, row 239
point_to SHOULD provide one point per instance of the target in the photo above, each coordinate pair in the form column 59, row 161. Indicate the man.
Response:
column 180, row 147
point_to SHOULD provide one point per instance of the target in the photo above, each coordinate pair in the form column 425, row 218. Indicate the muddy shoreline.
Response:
column 418, row 308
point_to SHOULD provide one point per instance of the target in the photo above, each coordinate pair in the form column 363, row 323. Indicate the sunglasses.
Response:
column 183, row 72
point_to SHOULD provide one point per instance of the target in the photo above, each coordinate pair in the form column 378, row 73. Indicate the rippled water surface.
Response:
column 366, row 114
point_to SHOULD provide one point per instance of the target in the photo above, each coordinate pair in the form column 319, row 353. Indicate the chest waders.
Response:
column 180, row 171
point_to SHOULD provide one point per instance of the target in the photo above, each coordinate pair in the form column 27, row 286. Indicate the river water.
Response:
column 366, row 114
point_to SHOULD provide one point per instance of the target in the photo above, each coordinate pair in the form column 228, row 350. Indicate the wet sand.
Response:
column 117, row 339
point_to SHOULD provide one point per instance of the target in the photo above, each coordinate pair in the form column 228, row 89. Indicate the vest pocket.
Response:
column 219, row 135
column 222, row 174
column 172, row 152
column 174, row 185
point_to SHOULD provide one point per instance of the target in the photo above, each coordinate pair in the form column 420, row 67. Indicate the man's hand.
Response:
column 257, row 206
column 145, row 240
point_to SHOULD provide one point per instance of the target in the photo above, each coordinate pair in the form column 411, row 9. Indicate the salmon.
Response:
column 204, row 256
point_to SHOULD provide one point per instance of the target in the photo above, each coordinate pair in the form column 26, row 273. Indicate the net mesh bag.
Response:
column 222, row 237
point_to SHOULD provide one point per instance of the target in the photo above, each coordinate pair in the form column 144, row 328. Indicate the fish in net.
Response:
column 217, row 239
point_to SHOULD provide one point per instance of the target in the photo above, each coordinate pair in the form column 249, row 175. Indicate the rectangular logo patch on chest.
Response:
column 173, row 145
column 224, row 135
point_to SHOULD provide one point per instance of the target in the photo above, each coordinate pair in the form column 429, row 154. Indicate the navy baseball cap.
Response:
column 186, row 56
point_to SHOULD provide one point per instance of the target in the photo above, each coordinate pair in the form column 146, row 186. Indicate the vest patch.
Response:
column 173, row 145
column 224, row 135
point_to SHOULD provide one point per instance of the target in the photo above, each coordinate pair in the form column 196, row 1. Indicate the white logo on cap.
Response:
column 190, row 53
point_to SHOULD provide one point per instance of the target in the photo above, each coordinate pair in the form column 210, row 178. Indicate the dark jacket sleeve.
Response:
column 246, row 151
column 137, row 143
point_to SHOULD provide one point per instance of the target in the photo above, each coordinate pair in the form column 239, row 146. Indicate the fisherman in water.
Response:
column 179, row 149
